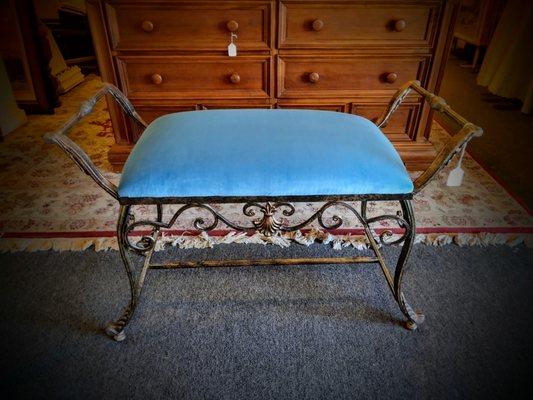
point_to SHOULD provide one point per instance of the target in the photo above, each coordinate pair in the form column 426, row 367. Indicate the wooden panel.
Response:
column 195, row 77
column 340, row 24
column 401, row 126
column 345, row 76
column 358, row 43
column 339, row 107
column 188, row 26
column 218, row 105
column 106, row 68
column 151, row 113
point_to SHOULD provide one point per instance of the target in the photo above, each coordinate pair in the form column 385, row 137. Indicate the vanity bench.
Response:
column 266, row 159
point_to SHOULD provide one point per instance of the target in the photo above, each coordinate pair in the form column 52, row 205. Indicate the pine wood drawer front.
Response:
column 402, row 124
column 189, row 26
column 341, row 24
column 338, row 76
column 195, row 77
column 151, row 113
column 307, row 105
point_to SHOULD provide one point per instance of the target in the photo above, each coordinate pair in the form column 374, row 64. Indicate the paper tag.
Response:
column 456, row 177
column 232, row 50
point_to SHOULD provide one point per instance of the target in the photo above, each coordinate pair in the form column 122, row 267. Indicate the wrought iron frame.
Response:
column 264, row 211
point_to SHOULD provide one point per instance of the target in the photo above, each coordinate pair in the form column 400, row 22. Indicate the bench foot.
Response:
column 412, row 325
column 114, row 331
column 414, row 318
column 145, row 247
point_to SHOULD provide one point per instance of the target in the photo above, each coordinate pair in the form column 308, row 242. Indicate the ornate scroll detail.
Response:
column 386, row 234
column 266, row 219
column 268, row 225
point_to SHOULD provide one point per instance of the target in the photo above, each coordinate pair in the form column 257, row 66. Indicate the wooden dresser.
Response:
column 342, row 55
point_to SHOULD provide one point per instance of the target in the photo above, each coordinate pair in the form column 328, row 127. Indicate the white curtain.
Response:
column 507, row 69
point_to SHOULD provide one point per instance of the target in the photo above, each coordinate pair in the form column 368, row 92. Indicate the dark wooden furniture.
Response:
column 476, row 22
column 26, row 54
column 343, row 55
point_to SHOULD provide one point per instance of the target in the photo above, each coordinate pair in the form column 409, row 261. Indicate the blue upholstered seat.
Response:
column 262, row 153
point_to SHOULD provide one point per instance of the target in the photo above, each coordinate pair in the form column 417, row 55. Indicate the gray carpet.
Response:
column 307, row 332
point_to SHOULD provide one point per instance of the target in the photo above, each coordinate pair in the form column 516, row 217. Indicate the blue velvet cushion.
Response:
column 262, row 153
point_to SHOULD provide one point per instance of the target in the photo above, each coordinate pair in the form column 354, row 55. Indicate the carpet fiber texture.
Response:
column 308, row 332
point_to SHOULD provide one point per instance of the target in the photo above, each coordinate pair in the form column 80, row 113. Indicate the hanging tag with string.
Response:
column 232, row 47
column 455, row 178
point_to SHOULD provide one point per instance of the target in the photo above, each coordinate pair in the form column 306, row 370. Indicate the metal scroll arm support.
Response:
column 465, row 131
column 75, row 152
column 85, row 163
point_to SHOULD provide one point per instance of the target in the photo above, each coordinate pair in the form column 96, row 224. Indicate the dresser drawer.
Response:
column 337, row 106
column 340, row 24
column 195, row 77
column 150, row 113
column 188, row 26
column 401, row 125
column 338, row 76
column 157, row 109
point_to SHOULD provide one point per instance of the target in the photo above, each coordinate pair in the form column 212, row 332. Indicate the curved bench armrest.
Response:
column 465, row 132
column 75, row 152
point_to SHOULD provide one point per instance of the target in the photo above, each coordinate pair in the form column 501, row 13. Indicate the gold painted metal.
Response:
column 262, row 262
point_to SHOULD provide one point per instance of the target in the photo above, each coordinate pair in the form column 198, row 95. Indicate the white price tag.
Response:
column 232, row 50
column 232, row 47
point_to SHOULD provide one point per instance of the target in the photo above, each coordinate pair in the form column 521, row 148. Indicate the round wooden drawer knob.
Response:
column 314, row 77
column 235, row 78
column 400, row 25
column 391, row 77
column 232, row 26
column 156, row 79
column 318, row 24
column 148, row 26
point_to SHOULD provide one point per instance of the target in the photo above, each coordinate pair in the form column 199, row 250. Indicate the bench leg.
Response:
column 413, row 318
column 395, row 283
column 115, row 329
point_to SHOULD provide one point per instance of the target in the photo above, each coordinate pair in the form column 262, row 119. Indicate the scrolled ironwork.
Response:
column 266, row 222
column 386, row 234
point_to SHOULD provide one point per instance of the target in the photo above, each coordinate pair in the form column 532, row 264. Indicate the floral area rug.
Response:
column 48, row 203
